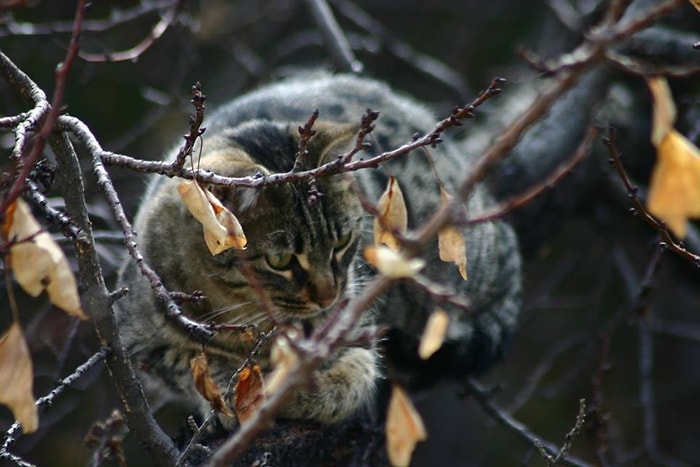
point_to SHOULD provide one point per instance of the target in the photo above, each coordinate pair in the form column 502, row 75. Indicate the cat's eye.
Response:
column 279, row 261
column 343, row 241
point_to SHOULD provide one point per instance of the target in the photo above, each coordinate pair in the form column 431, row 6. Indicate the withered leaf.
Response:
column 433, row 334
column 451, row 246
column 392, row 263
column 696, row 4
column 37, row 262
column 221, row 228
column 16, row 378
column 206, row 386
column 404, row 428
column 664, row 113
column 249, row 392
column 674, row 189
column 392, row 216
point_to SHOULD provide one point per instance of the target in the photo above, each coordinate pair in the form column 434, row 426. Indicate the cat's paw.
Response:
column 341, row 386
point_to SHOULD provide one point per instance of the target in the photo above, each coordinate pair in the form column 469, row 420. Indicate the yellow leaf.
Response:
column 206, row 386
column 696, row 4
column 674, row 190
column 433, row 334
column 16, row 378
column 404, row 428
column 392, row 263
column 392, row 216
column 221, row 228
column 451, row 246
column 37, row 262
column 664, row 109
column 249, row 392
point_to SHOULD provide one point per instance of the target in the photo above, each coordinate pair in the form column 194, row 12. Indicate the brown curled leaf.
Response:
column 206, row 386
column 221, row 227
column 249, row 392
column 393, row 216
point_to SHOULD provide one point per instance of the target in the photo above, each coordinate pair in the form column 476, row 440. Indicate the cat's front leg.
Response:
column 341, row 386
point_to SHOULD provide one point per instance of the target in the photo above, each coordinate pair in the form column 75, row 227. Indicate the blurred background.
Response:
column 586, row 330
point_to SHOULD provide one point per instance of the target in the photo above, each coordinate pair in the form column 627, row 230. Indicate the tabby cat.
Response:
column 306, row 255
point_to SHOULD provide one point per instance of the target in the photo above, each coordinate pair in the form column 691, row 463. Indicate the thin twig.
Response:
column 483, row 397
column 13, row 120
column 305, row 133
column 550, row 182
column 545, row 364
column 200, row 430
column 196, row 330
column 37, row 144
column 340, row 165
column 117, row 17
column 196, row 130
column 335, row 39
column 135, row 52
column 424, row 63
column 54, row 216
column 639, row 208
column 568, row 439
column 12, row 433
column 681, row 330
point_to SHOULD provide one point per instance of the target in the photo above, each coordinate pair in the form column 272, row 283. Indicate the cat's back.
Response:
column 338, row 98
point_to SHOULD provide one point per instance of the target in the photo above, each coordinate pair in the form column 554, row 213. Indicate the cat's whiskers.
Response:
column 212, row 315
column 251, row 319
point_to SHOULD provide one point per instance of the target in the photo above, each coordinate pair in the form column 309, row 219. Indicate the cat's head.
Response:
column 300, row 250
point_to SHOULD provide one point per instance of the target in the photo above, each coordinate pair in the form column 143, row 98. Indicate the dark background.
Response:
column 583, row 270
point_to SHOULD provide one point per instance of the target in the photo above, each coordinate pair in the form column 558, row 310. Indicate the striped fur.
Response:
column 305, row 255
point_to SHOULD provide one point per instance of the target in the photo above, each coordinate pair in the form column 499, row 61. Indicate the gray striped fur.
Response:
column 257, row 132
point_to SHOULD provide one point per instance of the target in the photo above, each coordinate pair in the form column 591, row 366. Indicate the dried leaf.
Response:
column 664, row 109
column 248, row 393
column 433, row 334
column 392, row 216
column 696, row 4
column 37, row 262
column 674, row 189
column 206, row 386
column 16, row 378
column 404, row 428
column 451, row 246
column 392, row 263
column 221, row 228
column 284, row 360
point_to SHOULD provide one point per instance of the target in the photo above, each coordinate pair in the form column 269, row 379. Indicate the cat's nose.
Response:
column 326, row 302
column 324, row 294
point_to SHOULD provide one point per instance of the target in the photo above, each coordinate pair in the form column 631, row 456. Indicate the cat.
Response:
column 307, row 255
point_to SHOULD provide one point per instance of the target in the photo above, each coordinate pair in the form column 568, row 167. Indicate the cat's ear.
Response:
column 331, row 140
column 233, row 162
